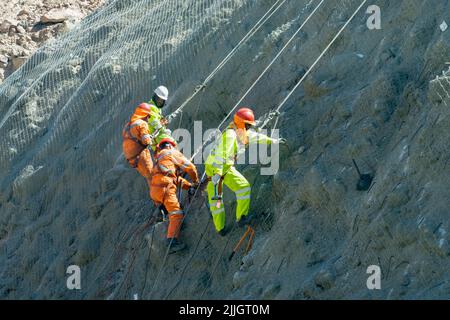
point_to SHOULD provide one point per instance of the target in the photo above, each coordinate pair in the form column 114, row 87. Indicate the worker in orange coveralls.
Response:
column 136, row 139
column 169, row 164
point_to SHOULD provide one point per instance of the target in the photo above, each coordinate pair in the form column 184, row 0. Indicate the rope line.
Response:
column 250, row 34
column 289, row 95
column 261, row 75
column 277, row 109
column 223, row 121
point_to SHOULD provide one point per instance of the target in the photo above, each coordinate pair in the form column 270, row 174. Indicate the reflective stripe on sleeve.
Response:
column 176, row 212
column 243, row 190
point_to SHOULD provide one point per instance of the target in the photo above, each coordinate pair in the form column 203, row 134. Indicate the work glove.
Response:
column 164, row 121
column 282, row 141
column 215, row 179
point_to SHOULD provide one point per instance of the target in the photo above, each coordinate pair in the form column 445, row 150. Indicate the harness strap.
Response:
column 128, row 136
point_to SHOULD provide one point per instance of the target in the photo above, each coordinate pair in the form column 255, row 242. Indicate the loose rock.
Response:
column 60, row 15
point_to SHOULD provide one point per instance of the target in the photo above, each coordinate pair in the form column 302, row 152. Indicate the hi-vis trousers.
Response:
column 241, row 187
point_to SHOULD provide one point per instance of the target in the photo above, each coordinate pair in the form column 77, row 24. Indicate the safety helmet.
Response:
column 165, row 141
column 244, row 116
column 142, row 111
column 162, row 92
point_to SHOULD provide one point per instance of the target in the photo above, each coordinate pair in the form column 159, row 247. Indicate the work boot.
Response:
column 245, row 220
column 224, row 231
column 175, row 245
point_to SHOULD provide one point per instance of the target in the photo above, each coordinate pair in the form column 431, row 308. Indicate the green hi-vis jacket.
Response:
column 155, row 128
column 154, row 121
column 223, row 156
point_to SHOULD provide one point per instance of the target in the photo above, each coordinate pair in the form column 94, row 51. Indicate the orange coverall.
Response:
column 136, row 138
column 164, row 184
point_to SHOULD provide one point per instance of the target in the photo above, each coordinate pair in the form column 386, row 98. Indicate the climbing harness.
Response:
column 218, row 193
column 164, row 212
column 250, row 232
column 126, row 134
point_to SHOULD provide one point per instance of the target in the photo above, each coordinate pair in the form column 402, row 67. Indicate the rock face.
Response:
column 381, row 97
column 27, row 25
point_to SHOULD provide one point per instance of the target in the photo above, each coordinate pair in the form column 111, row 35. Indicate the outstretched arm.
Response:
column 186, row 166
column 256, row 137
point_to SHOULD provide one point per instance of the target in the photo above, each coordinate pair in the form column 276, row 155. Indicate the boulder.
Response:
column 7, row 24
column 20, row 29
column 3, row 61
column 17, row 62
column 24, row 12
column 61, row 15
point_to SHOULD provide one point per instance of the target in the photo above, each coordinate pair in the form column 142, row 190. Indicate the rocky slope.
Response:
column 26, row 25
column 378, row 96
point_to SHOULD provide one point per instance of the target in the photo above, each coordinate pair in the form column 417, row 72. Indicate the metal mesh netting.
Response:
column 108, row 64
column 62, row 113
column 76, row 93
column 441, row 86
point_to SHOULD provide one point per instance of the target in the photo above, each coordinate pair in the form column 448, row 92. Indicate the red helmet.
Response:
column 167, row 140
column 243, row 116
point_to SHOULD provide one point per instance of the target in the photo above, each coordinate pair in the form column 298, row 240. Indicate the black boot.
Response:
column 175, row 245
column 224, row 231
column 245, row 220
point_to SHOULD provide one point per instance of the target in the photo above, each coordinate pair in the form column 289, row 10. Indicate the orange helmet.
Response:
column 167, row 140
column 141, row 112
column 243, row 116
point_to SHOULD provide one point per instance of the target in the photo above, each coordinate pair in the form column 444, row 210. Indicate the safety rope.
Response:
column 146, row 263
column 277, row 110
column 127, row 234
column 173, row 115
column 319, row 57
column 261, row 75
column 189, row 260
column 133, row 253
column 219, row 256
column 158, row 275
column 236, row 105
column 249, row 34
column 285, row 99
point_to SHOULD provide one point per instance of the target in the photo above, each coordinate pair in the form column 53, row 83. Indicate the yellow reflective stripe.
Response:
column 218, row 211
column 243, row 190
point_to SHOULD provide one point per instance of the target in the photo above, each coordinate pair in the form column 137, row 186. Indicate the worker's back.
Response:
column 169, row 160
